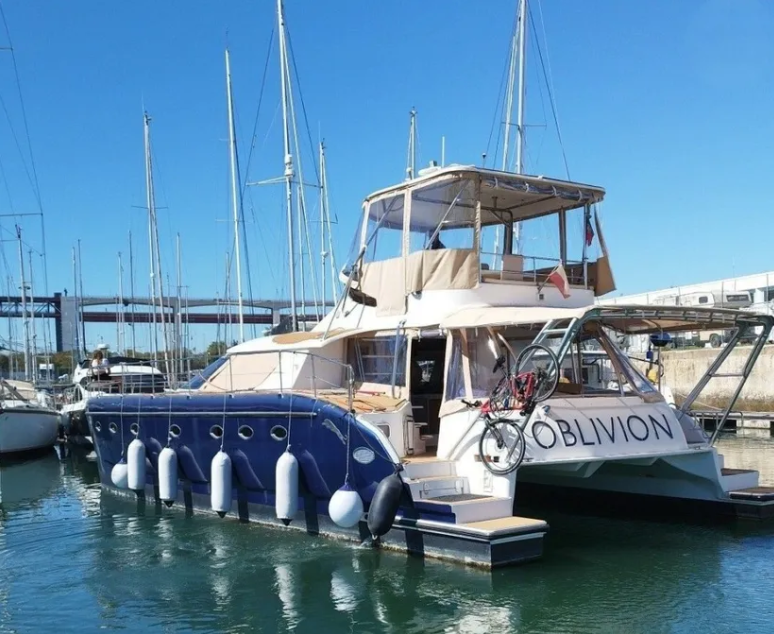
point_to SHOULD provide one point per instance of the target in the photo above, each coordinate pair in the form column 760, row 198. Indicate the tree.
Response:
column 216, row 349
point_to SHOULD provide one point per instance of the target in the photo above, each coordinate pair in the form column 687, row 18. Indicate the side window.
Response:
column 373, row 360
column 703, row 299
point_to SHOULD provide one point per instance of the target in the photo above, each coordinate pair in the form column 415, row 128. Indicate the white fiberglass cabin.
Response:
column 448, row 278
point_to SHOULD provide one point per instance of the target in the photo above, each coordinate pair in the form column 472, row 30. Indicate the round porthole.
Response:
column 98, row 426
column 134, row 428
column 216, row 431
column 113, row 428
column 174, row 431
column 278, row 432
column 245, row 432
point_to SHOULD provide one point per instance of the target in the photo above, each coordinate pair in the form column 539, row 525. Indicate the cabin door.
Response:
column 426, row 384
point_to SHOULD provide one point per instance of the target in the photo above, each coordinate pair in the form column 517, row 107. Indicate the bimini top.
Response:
column 520, row 195
column 629, row 319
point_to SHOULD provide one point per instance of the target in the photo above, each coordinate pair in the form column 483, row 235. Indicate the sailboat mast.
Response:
column 234, row 199
column 179, row 312
column 323, row 253
column 76, row 343
column 121, row 313
column 288, row 164
column 522, row 37
column 80, row 293
column 149, row 203
column 25, row 321
column 34, row 334
column 327, row 224
column 131, row 291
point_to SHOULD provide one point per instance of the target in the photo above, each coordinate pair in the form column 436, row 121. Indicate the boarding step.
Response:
column 753, row 494
column 739, row 479
column 468, row 507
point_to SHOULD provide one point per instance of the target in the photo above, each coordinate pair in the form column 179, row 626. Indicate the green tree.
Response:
column 216, row 349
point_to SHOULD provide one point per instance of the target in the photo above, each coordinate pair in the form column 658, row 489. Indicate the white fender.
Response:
column 119, row 474
column 135, row 462
column 345, row 507
column 168, row 475
column 220, row 483
column 286, row 487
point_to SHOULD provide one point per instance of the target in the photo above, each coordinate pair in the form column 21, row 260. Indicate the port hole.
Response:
column 278, row 432
column 134, row 428
column 98, row 426
column 245, row 432
column 113, row 428
column 216, row 431
column 174, row 431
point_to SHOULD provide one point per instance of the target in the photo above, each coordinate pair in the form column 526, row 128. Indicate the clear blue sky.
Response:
column 667, row 104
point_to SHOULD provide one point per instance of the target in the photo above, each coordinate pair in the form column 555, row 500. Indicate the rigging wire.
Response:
column 551, row 100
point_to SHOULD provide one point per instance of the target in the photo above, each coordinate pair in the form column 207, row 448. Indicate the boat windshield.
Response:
column 201, row 378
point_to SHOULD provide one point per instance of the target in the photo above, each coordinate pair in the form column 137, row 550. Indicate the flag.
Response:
column 558, row 278
column 589, row 231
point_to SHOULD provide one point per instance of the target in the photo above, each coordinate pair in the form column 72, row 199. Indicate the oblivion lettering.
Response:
column 595, row 431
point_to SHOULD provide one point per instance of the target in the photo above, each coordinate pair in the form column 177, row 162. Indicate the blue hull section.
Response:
column 254, row 429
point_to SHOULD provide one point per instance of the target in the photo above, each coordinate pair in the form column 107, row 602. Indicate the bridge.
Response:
column 68, row 311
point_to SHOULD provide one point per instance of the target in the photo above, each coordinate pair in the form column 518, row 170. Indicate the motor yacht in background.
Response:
column 120, row 375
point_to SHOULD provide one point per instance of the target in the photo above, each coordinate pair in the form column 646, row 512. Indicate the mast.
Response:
column 411, row 168
column 522, row 36
column 178, row 312
column 323, row 253
column 324, row 205
column 234, row 199
column 288, row 164
column 131, row 291
column 149, row 203
column 153, row 232
column 34, row 335
column 80, row 303
column 76, row 343
column 121, row 314
column 25, row 321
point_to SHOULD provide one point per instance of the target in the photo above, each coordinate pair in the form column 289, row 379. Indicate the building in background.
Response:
column 748, row 292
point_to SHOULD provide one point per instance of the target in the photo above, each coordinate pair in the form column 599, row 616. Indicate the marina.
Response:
column 214, row 417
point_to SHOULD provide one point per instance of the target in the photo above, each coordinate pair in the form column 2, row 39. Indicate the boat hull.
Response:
column 318, row 439
column 25, row 430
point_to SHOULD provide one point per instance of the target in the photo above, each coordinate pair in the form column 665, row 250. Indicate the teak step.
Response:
column 509, row 524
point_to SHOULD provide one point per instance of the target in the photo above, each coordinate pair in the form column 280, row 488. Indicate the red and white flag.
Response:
column 589, row 235
column 558, row 278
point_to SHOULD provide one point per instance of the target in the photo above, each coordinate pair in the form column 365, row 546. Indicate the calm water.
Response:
column 72, row 560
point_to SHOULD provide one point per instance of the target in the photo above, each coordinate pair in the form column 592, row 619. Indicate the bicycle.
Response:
column 502, row 444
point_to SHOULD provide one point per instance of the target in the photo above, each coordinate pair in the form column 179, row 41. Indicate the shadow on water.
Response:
column 102, row 563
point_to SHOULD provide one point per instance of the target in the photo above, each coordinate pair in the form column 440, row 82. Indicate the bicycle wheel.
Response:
column 543, row 361
column 501, row 446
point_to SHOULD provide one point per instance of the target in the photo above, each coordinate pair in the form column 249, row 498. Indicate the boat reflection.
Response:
column 210, row 575
column 26, row 482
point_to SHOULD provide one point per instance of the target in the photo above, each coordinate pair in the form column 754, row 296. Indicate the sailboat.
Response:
column 328, row 431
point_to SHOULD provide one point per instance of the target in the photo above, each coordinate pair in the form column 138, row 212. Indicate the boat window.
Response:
column 443, row 216
column 481, row 362
column 200, row 379
column 384, row 231
column 703, row 299
column 373, row 360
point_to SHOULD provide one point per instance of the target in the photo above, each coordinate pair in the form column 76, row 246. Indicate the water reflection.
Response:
column 750, row 449
column 101, row 563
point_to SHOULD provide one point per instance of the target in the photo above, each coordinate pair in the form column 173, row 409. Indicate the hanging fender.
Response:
column 384, row 505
